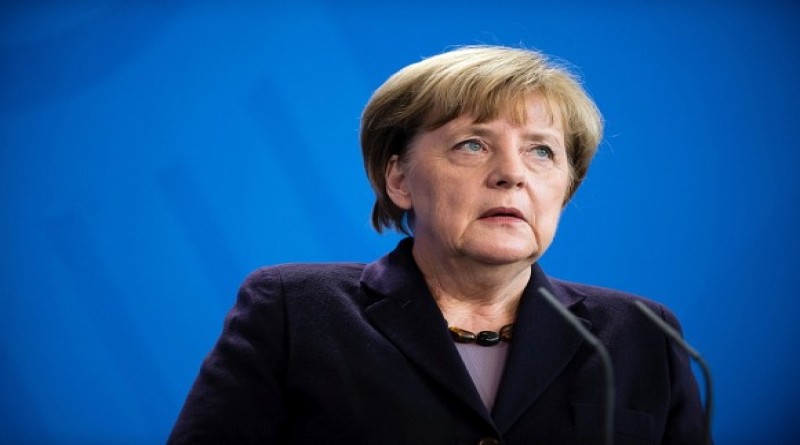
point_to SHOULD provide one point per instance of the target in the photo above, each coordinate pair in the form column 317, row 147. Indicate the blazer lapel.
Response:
column 543, row 346
column 404, row 311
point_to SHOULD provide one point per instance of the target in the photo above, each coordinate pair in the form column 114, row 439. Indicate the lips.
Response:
column 503, row 212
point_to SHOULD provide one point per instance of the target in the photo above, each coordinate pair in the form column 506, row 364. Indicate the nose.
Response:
column 508, row 170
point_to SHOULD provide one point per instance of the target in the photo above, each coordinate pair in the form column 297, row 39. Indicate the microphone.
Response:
column 608, row 370
column 677, row 338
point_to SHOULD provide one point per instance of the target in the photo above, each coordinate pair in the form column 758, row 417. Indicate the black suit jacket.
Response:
column 361, row 354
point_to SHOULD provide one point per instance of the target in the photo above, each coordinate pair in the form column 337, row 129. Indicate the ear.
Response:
column 396, row 184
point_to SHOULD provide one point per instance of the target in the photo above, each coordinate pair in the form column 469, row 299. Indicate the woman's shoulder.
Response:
column 600, row 297
column 293, row 273
column 582, row 290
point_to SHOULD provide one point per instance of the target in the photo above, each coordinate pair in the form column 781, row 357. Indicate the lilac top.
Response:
column 485, row 366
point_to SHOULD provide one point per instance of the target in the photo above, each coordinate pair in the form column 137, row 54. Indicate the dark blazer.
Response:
column 360, row 354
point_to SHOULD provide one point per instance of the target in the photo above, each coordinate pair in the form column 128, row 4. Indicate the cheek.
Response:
column 434, row 187
column 448, row 203
column 548, row 201
column 559, row 186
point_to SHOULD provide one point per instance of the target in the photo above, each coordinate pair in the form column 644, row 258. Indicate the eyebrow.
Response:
column 484, row 130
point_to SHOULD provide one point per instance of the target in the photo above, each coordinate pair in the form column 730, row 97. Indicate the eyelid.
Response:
column 550, row 151
column 466, row 141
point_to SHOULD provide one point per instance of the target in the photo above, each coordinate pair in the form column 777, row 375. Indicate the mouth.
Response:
column 503, row 213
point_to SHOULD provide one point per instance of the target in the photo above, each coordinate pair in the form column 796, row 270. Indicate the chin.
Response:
column 501, row 253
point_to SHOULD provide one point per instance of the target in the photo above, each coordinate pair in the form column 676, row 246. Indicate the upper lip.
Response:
column 503, row 211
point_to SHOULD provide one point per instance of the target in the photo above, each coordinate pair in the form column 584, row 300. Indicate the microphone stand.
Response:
column 677, row 338
column 608, row 370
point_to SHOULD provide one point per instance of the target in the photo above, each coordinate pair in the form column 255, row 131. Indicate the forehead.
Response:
column 532, row 112
column 521, row 109
column 531, row 108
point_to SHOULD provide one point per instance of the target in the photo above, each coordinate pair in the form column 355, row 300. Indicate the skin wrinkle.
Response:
column 477, row 268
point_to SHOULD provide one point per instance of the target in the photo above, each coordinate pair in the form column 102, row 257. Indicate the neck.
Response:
column 472, row 295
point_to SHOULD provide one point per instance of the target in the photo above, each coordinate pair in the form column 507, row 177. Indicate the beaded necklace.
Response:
column 482, row 338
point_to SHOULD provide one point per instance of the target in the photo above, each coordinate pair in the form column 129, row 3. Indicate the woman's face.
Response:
column 490, row 192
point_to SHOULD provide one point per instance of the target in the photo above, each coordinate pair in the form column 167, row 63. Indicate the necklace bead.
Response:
column 487, row 338
column 462, row 335
column 507, row 332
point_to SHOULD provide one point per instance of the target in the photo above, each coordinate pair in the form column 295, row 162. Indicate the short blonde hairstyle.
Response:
column 485, row 82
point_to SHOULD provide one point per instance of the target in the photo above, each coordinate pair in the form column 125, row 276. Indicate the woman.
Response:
column 473, row 153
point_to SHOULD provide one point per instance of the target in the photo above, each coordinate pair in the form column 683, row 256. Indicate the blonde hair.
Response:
column 485, row 82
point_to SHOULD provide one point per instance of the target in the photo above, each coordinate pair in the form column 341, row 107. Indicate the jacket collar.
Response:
column 404, row 311
column 544, row 343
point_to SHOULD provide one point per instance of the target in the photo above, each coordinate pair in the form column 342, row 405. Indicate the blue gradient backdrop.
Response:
column 153, row 153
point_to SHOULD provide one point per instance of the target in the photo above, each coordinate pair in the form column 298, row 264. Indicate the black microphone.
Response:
column 608, row 370
column 677, row 338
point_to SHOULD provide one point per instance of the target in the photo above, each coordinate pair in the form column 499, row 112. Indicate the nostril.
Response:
column 507, row 183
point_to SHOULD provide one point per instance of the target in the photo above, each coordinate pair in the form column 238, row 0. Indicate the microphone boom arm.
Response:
column 677, row 338
column 608, row 370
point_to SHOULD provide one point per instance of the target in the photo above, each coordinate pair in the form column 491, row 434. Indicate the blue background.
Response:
column 152, row 154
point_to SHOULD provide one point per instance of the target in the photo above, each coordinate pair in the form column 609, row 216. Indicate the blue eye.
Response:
column 543, row 151
column 471, row 146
